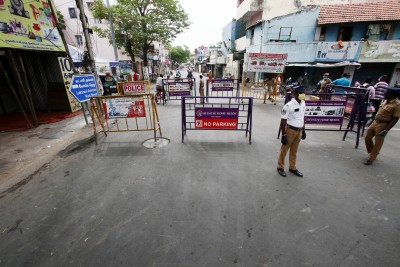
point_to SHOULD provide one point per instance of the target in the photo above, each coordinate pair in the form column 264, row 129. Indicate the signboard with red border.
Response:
column 131, row 88
column 216, row 118
column 268, row 63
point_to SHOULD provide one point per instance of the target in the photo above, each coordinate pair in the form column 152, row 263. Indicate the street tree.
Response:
column 179, row 54
column 139, row 23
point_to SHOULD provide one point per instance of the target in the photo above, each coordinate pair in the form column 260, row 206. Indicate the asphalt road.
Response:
column 214, row 200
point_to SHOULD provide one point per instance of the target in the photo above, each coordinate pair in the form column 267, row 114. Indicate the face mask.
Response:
column 302, row 96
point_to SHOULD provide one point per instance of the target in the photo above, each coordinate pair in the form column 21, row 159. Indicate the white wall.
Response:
column 101, row 46
column 274, row 8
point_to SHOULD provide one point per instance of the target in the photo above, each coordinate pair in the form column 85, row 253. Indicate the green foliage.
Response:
column 60, row 20
column 138, row 23
column 179, row 54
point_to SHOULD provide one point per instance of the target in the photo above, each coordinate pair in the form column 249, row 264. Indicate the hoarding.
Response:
column 268, row 63
column 338, row 51
column 28, row 25
column 67, row 73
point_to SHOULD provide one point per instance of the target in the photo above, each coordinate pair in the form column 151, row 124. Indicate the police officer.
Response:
column 292, row 127
column 387, row 117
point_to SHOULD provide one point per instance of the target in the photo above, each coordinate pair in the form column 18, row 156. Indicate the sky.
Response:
column 208, row 18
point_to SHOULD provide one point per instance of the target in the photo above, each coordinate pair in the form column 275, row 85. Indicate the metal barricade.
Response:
column 174, row 89
column 125, row 113
column 217, row 113
column 260, row 91
column 223, row 88
column 328, row 111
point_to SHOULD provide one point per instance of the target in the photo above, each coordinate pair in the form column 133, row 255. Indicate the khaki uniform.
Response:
column 201, row 90
column 387, row 112
column 293, row 112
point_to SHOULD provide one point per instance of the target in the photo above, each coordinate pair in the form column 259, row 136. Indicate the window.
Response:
column 90, row 5
column 345, row 34
column 285, row 33
column 72, row 12
column 322, row 34
column 252, row 37
column 79, row 40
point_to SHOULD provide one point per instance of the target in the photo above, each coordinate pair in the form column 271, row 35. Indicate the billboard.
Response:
column 338, row 51
column 268, row 63
column 28, row 25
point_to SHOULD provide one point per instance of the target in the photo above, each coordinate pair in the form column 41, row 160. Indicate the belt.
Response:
column 294, row 128
column 380, row 121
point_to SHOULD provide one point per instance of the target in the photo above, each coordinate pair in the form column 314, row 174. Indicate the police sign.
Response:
column 83, row 87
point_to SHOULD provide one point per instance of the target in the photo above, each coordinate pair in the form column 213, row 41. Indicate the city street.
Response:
column 214, row 200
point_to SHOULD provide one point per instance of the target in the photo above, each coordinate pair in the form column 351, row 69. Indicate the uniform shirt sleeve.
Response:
column 396, row 113
column 285, row 112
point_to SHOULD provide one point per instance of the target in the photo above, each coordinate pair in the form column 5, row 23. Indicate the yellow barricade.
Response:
column 124, row 113
column 132, row 88
column 260, row 90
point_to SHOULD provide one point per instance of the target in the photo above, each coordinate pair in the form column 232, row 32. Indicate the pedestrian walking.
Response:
column 201, row 89
column 292, row 127
column 387, row 117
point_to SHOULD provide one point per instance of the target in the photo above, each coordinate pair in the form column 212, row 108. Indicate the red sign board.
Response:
column 134, row 88
column 216, row 118
column 137, row 110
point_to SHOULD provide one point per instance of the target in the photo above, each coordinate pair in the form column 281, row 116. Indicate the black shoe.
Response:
column 367, row 162
column 281, row 172
column 296, row 172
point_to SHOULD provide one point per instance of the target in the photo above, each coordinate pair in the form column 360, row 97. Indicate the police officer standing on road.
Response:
column 387, row 117
column 292, row 127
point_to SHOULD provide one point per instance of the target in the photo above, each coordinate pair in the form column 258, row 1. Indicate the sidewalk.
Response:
column 23, row 153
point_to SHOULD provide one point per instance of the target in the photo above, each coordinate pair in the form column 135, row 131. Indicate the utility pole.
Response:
column 85, row 28
column 112, row 31
column 62, row 36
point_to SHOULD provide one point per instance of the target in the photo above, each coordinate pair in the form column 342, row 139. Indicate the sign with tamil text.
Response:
column 268, row 63
column 28, row 25
column 124, row 108
column 324, row 112
column 338, row 51
column 222, row 85
column 83, row 87
column 178, row 88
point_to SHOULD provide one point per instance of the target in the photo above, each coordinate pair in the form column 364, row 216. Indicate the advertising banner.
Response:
column 67, row 72
column 124, row 108
column 131, row 88
column 28, row 25
column 222, row 85
column 216, row 118
column 324, row 112
column 268, row 63
column 338, row 51
column 179, row 88
column 380, row 51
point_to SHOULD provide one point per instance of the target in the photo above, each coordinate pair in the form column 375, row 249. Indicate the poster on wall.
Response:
column 267, row 63
column 28, row 25
column 67, row 72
